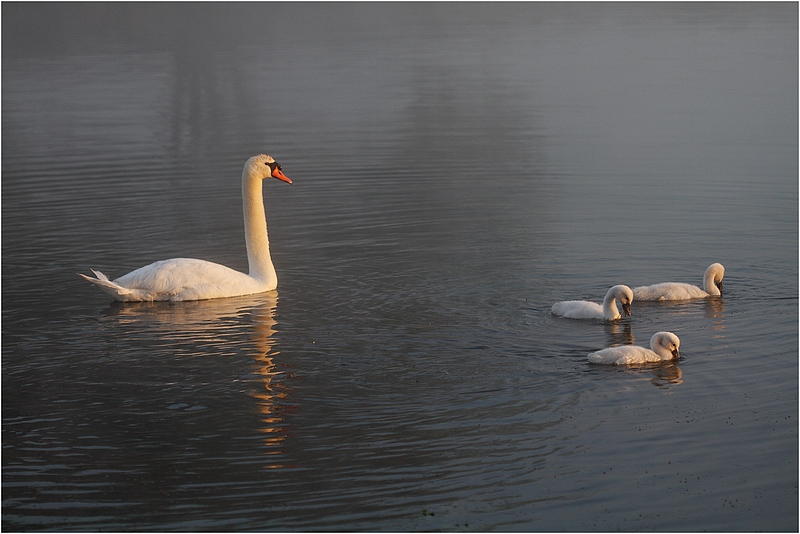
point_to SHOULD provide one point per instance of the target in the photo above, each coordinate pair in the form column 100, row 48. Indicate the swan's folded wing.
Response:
column 624, row 355
column 182, row 279
column 577, row 309
column 608, row 356
column 668, row 291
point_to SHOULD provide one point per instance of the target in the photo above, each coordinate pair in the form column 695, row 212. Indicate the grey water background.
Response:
column 457, row 169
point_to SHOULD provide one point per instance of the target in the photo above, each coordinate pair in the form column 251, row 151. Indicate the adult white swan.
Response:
column 663, row 346
column 712, row 284
column 189, row 279
column 582, row 309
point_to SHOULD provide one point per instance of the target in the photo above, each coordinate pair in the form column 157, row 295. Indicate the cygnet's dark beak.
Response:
column 676, row 354
column 719, row 285
column 626, row 309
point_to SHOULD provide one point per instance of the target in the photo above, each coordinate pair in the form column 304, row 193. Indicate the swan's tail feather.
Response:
column 99, row 275
column 115, row 290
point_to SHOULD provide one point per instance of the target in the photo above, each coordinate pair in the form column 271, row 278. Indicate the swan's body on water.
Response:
column 182, row 279
column 582, row 309
column 712, row 284
column 663, row 346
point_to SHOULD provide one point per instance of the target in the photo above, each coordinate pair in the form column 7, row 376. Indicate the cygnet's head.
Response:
column 624, row 296
column 264, row 166
column 666, row 343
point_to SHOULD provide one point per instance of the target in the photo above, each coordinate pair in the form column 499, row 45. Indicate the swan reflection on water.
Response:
column 273, row 396
column 664, row 374
column 619, row 333
column 223, row 327
column 715, row 309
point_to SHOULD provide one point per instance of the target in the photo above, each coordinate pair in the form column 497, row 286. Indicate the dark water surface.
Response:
column 457, row 169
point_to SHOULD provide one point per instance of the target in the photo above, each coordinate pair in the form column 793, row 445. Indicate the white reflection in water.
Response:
column 219, row 328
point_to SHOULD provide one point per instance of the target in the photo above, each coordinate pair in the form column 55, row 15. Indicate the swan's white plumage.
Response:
column 182, row 279
column 712, row 284
column 663, row 346
column 582, row 309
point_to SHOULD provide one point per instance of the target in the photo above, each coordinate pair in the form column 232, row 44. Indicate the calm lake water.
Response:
column 457, row 169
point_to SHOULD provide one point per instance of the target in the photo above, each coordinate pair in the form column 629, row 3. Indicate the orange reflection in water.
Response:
column 273, row 394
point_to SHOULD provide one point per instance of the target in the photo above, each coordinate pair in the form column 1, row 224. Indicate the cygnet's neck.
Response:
column 610, row 310
column 711, row 278
column 255, row 229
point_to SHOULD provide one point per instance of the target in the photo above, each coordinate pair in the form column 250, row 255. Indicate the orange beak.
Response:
column 277, row 173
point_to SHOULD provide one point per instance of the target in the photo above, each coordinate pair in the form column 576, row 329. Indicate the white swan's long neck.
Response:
column 255, row 229
column 710, row 279
column 610, row 310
